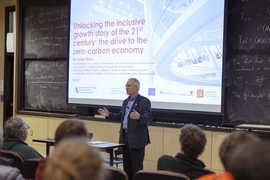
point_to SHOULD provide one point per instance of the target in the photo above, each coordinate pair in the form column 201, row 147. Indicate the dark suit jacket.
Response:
column 138, row 134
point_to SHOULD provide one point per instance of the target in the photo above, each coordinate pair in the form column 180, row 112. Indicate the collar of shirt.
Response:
column 132, row 99
column 127, row 111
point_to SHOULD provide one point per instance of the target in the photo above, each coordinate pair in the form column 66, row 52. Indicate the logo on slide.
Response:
column 151, row 91
column 200, row 93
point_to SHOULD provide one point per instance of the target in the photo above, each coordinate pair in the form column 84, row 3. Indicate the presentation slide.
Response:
column 173, row 47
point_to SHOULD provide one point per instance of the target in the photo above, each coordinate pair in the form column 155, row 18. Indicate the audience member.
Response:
column 7, row 172
column 192, row 142
column 251, row 161
column 68, row 128
column 231, row 143
column 74, row 159
column 227, row 147
column 16, row 132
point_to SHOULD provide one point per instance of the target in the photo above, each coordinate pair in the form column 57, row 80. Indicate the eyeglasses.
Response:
column 28, row 127
column 127, row 86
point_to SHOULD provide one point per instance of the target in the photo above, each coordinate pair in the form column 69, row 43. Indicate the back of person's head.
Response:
column 73, row 159
column 231, row 142
column 192, row 140
column 251, row 161
column 70, row 128
column 15, row 127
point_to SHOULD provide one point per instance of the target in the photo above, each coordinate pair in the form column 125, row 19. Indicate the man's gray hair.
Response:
column 14, row 127
column 136, row 82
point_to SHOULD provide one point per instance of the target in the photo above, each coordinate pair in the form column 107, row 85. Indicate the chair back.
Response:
column 29, row 168
column 90, row 136
column 159, row 175
column 114, row 173
column 17, row 159
column 116, row 160
column 118, row 151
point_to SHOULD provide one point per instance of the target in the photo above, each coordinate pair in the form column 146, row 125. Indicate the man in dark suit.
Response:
column 134, row 117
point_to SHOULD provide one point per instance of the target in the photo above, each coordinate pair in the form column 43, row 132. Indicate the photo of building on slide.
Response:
column 187, row 40
column 185, row 37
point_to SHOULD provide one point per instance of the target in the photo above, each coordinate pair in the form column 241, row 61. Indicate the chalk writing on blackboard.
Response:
column 248, row 26
column 46, row 85
column 248, row 88
column 46, row 31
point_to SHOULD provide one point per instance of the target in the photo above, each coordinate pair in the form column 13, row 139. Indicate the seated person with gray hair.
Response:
column 192, row 141
column 16, row 132
column 7, row 172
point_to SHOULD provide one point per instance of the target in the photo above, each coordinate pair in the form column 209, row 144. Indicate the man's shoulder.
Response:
column 166, row 158
column 11, row 141
column 14, row 144
column 30, row 150
column 142, row 98
column 167, row 162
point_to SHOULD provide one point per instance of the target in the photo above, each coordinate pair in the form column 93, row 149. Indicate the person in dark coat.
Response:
column 192, row 142
column 134, row 116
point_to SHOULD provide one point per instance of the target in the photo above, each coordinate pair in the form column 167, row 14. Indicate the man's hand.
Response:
column 103, row 112
column 134, row 115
